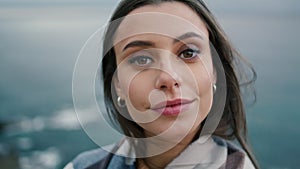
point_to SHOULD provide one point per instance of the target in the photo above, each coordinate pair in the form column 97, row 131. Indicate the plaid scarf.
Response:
column 214, row 153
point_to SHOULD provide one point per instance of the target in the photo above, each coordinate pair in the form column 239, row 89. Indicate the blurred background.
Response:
column 39, row 44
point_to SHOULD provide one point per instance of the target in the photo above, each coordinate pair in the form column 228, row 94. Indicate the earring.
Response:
column 121, row 102
column 214, row 88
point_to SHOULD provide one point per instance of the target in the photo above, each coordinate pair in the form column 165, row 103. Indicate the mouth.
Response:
column 172, row 107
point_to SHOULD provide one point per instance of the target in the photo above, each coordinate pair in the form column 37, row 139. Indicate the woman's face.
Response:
column 164, row 68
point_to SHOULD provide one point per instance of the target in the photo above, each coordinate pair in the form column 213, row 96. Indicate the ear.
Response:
column 118, row 88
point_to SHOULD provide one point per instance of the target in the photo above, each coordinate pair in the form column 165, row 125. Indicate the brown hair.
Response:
column 233, row 122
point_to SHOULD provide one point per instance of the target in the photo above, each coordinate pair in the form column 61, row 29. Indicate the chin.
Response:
column 176, row 132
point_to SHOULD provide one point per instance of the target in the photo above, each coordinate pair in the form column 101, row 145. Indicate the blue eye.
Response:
column 141, row 60
column 189, row 54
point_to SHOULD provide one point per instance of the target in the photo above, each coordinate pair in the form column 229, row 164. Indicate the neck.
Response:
column 163, row 159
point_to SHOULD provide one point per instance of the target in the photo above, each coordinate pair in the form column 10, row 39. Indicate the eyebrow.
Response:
column 140, row 43
column 188, row 35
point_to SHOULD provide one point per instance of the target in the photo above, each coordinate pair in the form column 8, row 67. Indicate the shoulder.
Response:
column 111, row 156
column 89, row 158
column 236, row 156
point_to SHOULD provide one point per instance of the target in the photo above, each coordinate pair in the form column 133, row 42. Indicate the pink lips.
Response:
column 172, row 107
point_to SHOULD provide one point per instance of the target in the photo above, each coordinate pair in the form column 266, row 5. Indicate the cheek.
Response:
column 203, row 80
column 137, row 91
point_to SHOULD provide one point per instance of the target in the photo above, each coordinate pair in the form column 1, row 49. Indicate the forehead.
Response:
column 169, row 19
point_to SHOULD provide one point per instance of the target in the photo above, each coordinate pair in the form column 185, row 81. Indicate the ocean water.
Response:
column 40, row 42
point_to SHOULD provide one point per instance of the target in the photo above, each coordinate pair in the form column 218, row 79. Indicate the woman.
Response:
column 172, row 85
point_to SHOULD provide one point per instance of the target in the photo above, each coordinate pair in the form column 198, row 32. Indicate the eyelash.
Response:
column 195, row 53
column 135, row 59
column 149, row 60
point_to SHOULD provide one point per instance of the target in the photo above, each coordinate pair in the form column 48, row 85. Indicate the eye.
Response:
column 189, row 54
column 141, row 60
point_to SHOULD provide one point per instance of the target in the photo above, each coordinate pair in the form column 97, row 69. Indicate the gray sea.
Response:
column 39, row 45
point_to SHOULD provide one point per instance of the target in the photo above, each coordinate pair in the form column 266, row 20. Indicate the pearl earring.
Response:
column 214, row 88
column 121, row 102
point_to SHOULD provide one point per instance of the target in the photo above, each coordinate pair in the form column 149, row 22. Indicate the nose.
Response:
column 167, row 80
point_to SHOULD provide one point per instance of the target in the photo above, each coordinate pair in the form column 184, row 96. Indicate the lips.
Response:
column 172, row 107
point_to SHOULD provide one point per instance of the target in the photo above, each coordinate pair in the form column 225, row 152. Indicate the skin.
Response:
column 165, row 69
